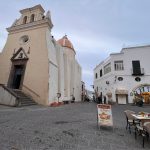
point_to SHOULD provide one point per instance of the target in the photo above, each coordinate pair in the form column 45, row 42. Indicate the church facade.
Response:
column 35, row 63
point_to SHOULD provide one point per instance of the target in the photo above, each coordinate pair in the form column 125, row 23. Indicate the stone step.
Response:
column 24, row 100
column 29, row 102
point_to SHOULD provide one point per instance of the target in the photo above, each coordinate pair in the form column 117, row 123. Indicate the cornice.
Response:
column 30, row 25
column 32, row 8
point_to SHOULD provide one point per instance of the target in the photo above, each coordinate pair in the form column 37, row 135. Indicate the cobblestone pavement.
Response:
column 68, row 127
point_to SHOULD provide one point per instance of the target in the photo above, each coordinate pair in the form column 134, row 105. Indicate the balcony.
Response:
column 137, row 72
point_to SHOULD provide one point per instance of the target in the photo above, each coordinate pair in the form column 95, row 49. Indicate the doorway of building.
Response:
column 17, row 76
column 122, row 98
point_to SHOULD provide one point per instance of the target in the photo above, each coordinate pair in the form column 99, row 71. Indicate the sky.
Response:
column 96, row 28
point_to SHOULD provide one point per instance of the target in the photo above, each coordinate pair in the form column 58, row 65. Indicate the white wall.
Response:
column 78, row 84
column 6, row 98
column 53, row 69
column 53, row 83
column 128, row 83
column 60, row 61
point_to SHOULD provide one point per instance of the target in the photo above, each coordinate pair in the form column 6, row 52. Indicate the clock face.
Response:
column 142, row 89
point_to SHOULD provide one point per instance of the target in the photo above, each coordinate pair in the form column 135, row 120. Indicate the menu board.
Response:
column 104, row 115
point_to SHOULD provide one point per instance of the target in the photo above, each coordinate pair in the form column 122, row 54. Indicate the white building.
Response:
column 123, row 74
column 34, row 63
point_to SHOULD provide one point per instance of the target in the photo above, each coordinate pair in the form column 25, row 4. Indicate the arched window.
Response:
column 32, row 18
column 25, row 20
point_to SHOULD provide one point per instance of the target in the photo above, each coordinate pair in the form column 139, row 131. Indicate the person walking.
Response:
column 99, row 99
column 104, row 99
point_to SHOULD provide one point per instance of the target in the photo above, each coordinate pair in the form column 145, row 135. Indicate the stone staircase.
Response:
column 23, row 99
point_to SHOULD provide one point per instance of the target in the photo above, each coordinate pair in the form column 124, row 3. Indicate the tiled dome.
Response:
column 65, row 42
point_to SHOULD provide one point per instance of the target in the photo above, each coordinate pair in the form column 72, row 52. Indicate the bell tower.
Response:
column 31, row 17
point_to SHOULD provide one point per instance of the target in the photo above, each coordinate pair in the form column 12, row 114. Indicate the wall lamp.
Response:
column 107, row 82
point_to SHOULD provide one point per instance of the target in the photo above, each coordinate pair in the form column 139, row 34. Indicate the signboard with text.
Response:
column 104, row 115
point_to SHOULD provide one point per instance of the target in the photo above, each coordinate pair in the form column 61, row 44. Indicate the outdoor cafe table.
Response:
column 142, row 118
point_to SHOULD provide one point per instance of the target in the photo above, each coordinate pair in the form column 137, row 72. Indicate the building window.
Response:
column 25, row 20
column 138, row 79
column 32, row 18
column 136, row 67
column 97, row 88
column 107, row 68
column 101, row 73
column 96, row 75
column 120, row 78
column 24, row 39
column 118, row 65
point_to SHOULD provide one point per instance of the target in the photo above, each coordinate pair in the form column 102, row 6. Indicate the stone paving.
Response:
column 68, row 127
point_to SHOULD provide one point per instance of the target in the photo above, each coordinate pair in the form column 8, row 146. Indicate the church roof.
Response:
column 32, row 8
column 65, row 42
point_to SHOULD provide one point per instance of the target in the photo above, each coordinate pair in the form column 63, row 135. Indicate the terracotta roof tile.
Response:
column 65, row 42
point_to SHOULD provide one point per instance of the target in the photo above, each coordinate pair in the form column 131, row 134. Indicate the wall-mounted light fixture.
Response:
column 107, row 82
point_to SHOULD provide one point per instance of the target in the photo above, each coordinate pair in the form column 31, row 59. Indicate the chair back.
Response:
column 128, row 114
column 147, row 127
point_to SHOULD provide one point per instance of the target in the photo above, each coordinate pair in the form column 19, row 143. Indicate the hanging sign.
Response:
column 104, row 115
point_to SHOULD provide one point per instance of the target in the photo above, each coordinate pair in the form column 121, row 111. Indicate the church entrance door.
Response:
column 17, row 76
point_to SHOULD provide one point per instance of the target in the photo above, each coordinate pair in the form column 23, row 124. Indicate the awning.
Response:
column 109, row 94
column 121, row 91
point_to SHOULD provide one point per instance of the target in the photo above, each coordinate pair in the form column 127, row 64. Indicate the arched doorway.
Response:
column 144, row 91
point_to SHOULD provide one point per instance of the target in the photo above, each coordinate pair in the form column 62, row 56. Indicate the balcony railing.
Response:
column 139, row 72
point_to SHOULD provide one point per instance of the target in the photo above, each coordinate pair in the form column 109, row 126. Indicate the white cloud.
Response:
column 87, row 72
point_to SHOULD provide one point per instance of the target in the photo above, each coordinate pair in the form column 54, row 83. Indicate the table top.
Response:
column 141, row 117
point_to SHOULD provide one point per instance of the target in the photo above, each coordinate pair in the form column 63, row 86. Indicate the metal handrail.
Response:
column 31, row 90
column 10, row 91
column 142, row 71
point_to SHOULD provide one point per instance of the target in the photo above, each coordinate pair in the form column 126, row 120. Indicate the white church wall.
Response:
column 60, row 61
column 51, row 48
column 53, row 83
column 78, row 86
column 53, row 68
column 68, row 75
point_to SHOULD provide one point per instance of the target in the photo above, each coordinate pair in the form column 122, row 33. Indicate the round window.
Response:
column 24, row 39
column 120, row 78
column 138, row 79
